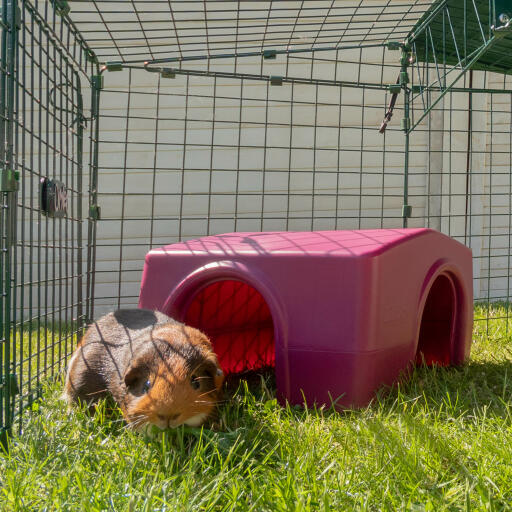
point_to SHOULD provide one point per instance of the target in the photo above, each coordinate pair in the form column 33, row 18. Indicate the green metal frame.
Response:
column 47, row 268
column 9, row 36
column 452, row 38
column 43, row 298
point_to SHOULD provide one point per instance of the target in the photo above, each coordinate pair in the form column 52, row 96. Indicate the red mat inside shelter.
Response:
column 238, row 322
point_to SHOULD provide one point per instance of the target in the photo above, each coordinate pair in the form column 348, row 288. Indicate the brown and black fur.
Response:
column 127, row 351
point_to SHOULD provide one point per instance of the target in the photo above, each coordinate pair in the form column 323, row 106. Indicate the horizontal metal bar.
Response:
column 237, row 55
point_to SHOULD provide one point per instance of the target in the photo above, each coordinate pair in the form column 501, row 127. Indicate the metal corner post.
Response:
column 94, row 210
column 8, row 191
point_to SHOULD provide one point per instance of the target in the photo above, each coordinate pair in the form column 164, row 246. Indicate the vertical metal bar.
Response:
column 155, row 160
column 467, row 217
column 4, row 222
column 123, row 192
column 361, row 146
column 489, row 227
column 212, row 143
column 184, row 159
column 407, row 93
column 313, row 188
column 239, row 141
column 8, row 213
column 80, row 320
column 264, row 170
column 290, row 152
column 93, row 198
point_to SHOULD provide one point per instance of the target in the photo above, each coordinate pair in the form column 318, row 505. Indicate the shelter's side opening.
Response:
column 436, row 335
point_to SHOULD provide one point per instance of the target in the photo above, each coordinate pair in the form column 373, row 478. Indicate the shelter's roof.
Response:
column 139, row 30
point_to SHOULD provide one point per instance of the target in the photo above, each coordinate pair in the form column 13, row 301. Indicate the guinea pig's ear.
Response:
column 218, row 378
column 134, row 375
column 216, row 373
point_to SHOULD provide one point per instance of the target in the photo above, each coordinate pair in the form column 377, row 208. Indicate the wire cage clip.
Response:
column 168, row 73
column 9, row 180
column 17, row 15
column 97, row 81
column 113, row 66
column 95, row 212
column 276, row 80
column 11, row 381
column 394, row 45
column 406, row 211
column 269, row 54
column 61, row 7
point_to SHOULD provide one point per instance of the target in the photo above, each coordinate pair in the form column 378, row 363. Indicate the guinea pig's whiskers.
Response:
column 96, row 392
column 136, row 421
column 210, row 403
column 207, row 392
column 119, row 420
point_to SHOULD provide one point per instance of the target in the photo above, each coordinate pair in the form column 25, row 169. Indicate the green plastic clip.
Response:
column 62, row 7
column 406, row 211
column 405, row 123
column 9, row 180
column 404, row 78
column 97, row 81
column 91, row 56
column 13, row 382
column 114, row 66
column 4, row 436
column 276, row 80
column 95, row 212
column 168, row 73
column 269, row 54
column 394, row 88
column 393, row 45
column 17, row 18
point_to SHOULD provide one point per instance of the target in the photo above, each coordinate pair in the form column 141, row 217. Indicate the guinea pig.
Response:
column 159, row 371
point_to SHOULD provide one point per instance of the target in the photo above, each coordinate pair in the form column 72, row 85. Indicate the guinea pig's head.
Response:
column 173, row 379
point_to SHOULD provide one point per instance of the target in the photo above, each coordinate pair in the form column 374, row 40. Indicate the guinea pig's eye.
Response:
column 194, row 381
column 146, row 386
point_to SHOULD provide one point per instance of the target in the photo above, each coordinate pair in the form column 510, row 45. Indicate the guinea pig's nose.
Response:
column 171, row 417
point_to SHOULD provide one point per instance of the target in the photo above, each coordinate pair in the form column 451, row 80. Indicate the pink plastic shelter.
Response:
column 338, row 313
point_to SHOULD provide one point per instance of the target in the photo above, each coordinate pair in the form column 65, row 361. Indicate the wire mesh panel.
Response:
column 141, row 30
column 222, row 116
column 8, row 184
column 461, row 158
column 44, row 279
column 205, row 153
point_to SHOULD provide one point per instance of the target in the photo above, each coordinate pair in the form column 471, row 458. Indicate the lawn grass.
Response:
column 440, row 441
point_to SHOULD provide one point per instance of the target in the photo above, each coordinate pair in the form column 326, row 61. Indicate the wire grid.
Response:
column 141, row 30
column 203, row 155
column 466, row 153
column 48, row 271
column 233, row 144
column 218, row 150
